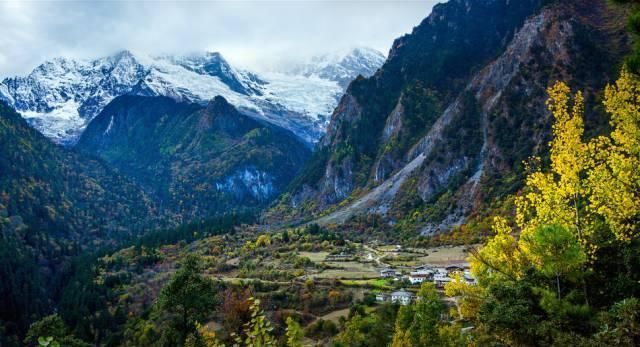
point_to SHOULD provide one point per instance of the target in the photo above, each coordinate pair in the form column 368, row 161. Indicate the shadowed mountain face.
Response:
column 196, row 160
column 443, row 127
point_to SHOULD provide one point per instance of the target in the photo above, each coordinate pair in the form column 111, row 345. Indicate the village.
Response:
column 439, row 275
column 320, row 281
column 403, row 270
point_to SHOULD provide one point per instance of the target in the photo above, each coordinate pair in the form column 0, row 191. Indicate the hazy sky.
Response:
column 253, row 34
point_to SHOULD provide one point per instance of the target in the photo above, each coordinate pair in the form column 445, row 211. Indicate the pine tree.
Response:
column 189, row 296
column 554, row 251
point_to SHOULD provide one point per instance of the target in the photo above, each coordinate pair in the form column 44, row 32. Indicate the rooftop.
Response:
column 401, row 292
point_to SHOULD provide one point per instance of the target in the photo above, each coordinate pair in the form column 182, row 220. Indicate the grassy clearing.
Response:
column 315, row 257
column 346, row 274
column 444, row 255
column 387, row 248
column 379, row 283
column 349, row 270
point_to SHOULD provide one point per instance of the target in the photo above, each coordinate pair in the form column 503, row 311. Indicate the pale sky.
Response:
column 253, row 34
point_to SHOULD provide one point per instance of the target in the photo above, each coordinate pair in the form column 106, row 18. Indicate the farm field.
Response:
column 445, row 255
column 348, row 270
column 315, row 257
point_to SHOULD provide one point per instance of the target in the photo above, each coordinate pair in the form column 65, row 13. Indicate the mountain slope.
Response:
column 447, row 139
column 61, row 96
column 62, row 193
column 198, row 161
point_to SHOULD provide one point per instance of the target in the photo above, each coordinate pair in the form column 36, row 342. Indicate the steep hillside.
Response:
column 62, row 193
column 443, row 127
column 198, row 161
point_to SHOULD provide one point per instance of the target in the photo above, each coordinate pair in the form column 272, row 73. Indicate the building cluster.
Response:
column 401, row 297
column 439, row 275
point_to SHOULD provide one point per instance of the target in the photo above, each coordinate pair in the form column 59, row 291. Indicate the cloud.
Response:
column 256, row 34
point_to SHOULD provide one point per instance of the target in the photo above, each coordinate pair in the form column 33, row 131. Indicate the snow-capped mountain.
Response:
column 342, row 68
column 61, row 96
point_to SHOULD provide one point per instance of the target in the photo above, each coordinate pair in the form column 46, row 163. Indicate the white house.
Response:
column 469, row 277
column 416, row 278
column 428, row 272
column 401, row 297
column 387, row 273
column 457, row 267
column 424, row 267
column 441, row 280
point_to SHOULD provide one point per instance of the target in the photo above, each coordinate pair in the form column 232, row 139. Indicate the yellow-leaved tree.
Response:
column 589, row 182
column 590, row 193
column 500, row 259
column 558, row 196
column 615, row 177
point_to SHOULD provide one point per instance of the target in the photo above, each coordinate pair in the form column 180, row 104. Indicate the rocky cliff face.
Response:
column 197, row 161
column 456, row 108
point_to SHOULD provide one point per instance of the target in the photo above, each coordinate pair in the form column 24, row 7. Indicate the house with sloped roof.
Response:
column 402, row 297
column 416, row 278
column 388, row 273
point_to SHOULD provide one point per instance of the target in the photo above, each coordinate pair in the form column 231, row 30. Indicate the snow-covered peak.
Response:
column 61, row 96
column 56, row 66
column 341, row 67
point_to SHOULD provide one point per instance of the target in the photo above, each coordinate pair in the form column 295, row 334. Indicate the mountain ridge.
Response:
column 60, row 96
column 451, row 171
column 198, row 161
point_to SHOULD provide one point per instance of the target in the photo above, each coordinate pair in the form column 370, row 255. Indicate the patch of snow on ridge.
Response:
column 108, row 126
column 311, row 96
column 4, row 94
column 258, row 184
column 167, row 78
column 60, row 123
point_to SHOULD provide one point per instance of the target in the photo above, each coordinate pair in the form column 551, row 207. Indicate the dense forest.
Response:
column 40, row 272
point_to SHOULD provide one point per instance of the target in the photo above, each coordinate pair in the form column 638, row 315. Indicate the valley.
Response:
column 315, row 275
column 479, row 185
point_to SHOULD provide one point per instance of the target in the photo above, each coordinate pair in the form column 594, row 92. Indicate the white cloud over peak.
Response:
column 254, row 34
